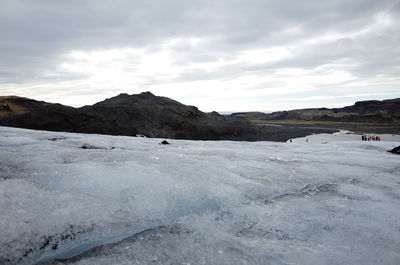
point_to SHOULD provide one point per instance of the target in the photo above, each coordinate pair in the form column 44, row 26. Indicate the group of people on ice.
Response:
column 365, row 137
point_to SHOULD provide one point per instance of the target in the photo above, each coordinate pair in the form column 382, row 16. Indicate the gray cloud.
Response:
column 35, row 34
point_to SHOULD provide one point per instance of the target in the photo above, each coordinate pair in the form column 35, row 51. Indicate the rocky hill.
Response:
column 373, row 111
column 130, row 115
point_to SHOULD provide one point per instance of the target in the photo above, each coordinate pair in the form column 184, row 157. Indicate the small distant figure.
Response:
column 376, row 138
column 290, row 140
column 366, row 137
column 307, row 140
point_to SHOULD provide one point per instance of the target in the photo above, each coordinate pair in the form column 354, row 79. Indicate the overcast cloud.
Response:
column 226, row 55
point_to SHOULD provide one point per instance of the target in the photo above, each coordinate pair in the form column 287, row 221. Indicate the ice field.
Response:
column 69, row 198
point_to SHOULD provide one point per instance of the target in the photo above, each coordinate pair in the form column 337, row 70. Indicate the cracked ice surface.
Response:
column 132, row 201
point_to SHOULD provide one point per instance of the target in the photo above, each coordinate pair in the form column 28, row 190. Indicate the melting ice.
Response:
column 92, row 199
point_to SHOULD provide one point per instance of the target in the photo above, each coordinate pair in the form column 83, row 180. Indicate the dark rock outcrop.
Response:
column 395, row 150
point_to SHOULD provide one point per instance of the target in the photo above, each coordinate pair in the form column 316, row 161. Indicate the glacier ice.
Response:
column 130, row 200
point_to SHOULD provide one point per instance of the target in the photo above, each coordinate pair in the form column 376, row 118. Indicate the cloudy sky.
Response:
column 225, row 55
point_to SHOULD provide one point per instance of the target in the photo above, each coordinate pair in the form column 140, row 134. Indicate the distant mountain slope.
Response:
column 17, row 105
column 126, row 114
column 373, row 111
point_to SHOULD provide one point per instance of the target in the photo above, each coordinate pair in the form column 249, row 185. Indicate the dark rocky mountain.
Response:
column 130, row 115
column 373, row 111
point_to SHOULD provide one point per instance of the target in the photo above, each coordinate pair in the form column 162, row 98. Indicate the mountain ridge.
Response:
column 162, row 117
column 129, row 115
column 369, row 111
